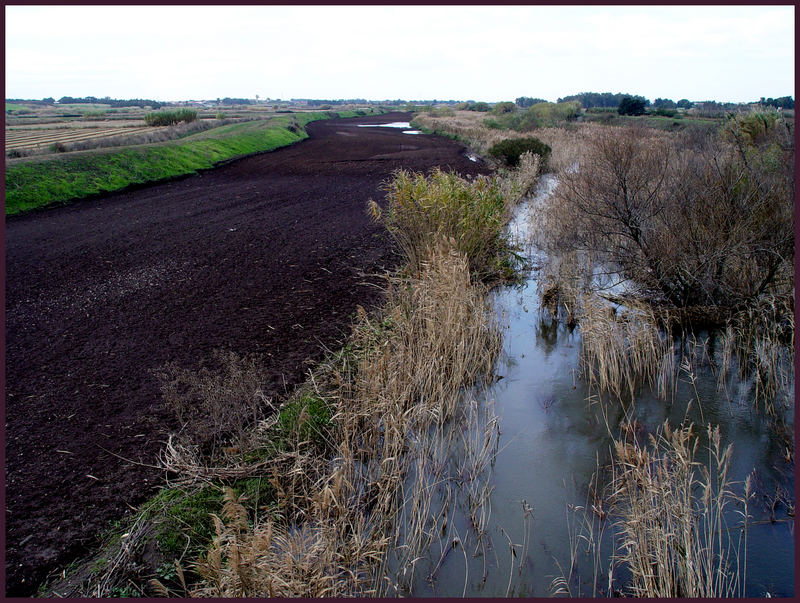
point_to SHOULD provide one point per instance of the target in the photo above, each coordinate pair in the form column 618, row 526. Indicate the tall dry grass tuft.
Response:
column 395, row 391
column 622, row 352
column 519, row 182
column 470, row 213
column 569, row 145
column 675, row 539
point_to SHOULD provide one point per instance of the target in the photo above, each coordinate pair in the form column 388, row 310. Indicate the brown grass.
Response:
column 667, row 511
column 218, row 405
column 397, row 394
column 621, row 352
column 676, row 543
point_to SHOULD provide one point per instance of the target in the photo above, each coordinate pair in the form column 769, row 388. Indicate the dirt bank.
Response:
column 264, row 255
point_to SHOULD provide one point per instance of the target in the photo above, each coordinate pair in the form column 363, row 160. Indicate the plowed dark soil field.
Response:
column 266, row 255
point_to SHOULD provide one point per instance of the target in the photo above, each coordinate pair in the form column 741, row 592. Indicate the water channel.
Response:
column 551, row 441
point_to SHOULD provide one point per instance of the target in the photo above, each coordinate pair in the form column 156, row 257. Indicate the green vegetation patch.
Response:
column 444, row 206
column 34, row 184
column 307, row 418
column 170, row 117
column 16, row 107
column 510, row 150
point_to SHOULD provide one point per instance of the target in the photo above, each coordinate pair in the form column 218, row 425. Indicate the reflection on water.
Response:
column 554, row 436
column 393, row 124
column 404, row 125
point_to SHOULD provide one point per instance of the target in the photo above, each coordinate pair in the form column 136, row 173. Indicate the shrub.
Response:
column 696, row 223
column 665, row 112
column 631, row 105
column 218, row 404
column 170, row 117
column 424, row 210
column 504, row 107
column 509, row 150
column 480, row 106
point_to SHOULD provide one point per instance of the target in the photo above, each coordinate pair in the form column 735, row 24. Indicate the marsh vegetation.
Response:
column 655, row 328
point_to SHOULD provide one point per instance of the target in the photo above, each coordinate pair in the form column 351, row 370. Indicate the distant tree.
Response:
column 684, row 104
column 527, row 101
column 595, row 99
column 631, row 105
column 783, row 102
column 504, row 107
column 664, row 103
column 49, row 100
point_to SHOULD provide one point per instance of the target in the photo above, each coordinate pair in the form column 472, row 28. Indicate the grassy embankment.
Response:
column 38, row 183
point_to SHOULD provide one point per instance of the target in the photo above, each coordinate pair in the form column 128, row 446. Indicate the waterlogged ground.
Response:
column 552, row 441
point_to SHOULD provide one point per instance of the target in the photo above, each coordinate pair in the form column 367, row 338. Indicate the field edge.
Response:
column 57, row 180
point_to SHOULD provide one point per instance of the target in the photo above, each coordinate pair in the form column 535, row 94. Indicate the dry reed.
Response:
column 394, row 398
column 674, row 542
column 621, row 352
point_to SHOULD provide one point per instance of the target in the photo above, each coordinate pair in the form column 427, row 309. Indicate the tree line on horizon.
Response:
column 588, row 100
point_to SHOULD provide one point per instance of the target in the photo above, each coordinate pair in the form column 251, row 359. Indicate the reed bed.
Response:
column 388, row 444
column 674, row 535
column 568, row 144
column 467, row 126
column 677, row 522
column 621, row 352
column 396, row 399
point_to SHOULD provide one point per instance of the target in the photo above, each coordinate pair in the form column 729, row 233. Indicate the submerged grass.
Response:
column 620, row 352
column 669, row 514
column 675, row 539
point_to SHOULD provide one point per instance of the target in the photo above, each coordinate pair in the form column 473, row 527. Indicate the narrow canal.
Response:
column 543, row 520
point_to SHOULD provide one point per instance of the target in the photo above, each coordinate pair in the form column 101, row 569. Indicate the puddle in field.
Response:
column 404, row 125
column 549, row 446
column 394, row 124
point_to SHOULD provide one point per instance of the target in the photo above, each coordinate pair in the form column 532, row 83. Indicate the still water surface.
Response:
column 552, row 440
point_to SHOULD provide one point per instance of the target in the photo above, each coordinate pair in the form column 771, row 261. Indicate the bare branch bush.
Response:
column 218, row 405
column 704, row 224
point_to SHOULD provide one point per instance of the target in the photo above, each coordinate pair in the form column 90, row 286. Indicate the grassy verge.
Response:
column 34, row 184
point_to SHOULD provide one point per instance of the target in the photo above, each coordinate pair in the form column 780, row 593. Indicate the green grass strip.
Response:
column 60, row 179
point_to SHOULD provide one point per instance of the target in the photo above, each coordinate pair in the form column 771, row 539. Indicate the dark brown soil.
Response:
column 264, row 255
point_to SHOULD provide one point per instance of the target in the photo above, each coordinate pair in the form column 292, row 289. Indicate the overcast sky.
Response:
column 490, row 53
